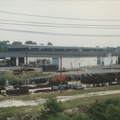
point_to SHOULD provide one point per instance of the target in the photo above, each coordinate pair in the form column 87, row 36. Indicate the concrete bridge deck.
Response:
column 59, row 54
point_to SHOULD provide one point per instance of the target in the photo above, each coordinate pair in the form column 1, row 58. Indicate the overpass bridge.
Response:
column 19, row 54
column 59, row 54
column 56, row 51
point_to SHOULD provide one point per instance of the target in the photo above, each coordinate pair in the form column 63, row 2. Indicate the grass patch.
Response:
column 11, row 77
column 32, row 110
column 8, row 76
column 32, row 75
column 21, row 111
column 88, row 100
column 96, row 89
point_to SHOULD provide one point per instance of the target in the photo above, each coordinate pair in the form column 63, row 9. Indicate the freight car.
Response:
column 57, row 80
column 100, row 78
column 22, row 70
column 49, row 68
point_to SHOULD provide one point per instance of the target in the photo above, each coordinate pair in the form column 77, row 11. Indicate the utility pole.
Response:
column 26, row 58
column 60, row 74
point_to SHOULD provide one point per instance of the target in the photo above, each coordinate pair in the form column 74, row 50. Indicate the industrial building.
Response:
column 109, row 60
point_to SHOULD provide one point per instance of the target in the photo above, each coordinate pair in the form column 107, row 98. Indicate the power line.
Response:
column 80, row 26
column 55, row 23
column 68, row 18
column 57, row 34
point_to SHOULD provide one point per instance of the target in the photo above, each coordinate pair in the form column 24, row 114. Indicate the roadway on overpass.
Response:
column 58, row 54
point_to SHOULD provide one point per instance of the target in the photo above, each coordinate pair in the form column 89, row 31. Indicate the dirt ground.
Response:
column 17, row 103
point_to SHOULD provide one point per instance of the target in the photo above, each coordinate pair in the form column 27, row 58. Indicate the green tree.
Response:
column 41, row 44
column 30, row 42
column 4, row 45
column 17, row 43
column 52, row 108
column 49, row 43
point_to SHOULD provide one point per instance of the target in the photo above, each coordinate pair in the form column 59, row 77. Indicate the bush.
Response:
column 52, row 108
column 61, row 117
column 77, row 116
column 80, row 116
column 105, row 110
column 115, row 102
column 8, row 76
column 112, row 112
column 97, row 110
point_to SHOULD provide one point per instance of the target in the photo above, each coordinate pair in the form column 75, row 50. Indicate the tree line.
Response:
column 5, row 43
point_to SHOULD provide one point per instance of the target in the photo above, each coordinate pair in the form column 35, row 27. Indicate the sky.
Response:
column 83, row 23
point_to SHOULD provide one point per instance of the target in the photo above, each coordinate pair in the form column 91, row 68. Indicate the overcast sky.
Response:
column 62, row 22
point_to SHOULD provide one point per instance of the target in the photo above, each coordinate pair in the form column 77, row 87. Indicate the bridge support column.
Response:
column 26, row 61
column 17, row 61
column 13, row 61
column 21, row 61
